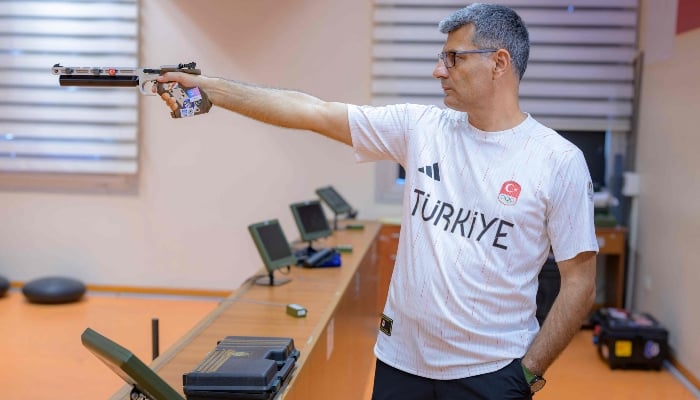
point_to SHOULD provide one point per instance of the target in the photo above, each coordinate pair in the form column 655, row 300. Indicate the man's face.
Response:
column 469, row 81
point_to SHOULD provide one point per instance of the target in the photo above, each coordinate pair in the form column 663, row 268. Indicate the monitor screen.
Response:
column 129, row 367
column 334, row 200
column 592, row 144
column 311, row 220
column 272, row 244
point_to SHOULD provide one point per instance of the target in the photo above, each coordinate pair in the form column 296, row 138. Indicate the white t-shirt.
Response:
column 480, row 212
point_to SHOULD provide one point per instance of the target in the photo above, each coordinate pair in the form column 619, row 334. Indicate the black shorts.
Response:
column 508, row 383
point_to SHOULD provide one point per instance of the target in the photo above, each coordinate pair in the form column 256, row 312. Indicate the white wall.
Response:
column 668, row 271
column 203, row 180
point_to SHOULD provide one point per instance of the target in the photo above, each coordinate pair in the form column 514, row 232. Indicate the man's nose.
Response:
column 440, row 71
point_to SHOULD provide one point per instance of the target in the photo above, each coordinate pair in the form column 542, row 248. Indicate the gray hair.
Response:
column 495, row 26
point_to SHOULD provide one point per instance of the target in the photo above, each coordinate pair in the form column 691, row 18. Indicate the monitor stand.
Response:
column 335, row 221
column 352, row 214
column 302, row 254
column 269, row 280
column 138, row 395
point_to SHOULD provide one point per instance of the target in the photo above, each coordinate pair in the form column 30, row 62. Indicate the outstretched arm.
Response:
column 571, row 307
column 284, row 108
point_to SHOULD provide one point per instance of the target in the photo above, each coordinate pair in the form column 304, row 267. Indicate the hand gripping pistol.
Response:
column 188, row 101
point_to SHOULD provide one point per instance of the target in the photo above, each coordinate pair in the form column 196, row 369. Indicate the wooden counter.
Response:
column 335, row 340
column 611, row 242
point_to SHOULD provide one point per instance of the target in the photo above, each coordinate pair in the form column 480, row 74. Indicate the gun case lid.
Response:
column 242, row 367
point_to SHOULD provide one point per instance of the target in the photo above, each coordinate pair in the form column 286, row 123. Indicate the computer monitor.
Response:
column 336, row 202
column 129, row 367
column 592, row 144
column 274, row 250
column 311, row 220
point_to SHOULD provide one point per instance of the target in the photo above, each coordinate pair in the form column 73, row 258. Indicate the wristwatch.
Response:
column 536, row 382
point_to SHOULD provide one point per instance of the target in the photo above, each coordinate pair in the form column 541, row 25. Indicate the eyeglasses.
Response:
column 448, row 57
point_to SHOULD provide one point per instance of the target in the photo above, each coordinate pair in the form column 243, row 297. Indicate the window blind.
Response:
column 46, row 128
column 581, row 75
column 581, row 71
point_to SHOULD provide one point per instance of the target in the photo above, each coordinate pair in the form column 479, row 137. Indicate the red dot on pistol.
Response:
column 112, row 72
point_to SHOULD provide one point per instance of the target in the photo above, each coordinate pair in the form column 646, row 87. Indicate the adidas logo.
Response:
column 432, row 171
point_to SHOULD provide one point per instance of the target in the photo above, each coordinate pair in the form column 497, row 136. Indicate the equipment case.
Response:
column 629, row 340
column 242, row 367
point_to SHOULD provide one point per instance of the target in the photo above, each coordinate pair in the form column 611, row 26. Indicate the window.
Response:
column 48, row 129
column 581, row 75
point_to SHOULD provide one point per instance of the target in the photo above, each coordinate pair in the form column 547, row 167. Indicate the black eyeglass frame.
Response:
column 443, row 56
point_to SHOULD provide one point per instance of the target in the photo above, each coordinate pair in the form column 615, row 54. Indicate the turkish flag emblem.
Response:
column 510, row 191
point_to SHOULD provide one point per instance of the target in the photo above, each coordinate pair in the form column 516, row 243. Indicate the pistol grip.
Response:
column 184, row 102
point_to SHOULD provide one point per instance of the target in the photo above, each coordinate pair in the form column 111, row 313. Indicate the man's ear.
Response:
column 502, row 63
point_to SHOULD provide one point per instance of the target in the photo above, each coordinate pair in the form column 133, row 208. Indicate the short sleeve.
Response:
column 379, row 133
column 570, row 221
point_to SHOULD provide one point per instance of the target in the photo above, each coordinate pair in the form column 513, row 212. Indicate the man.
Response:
column 489, row 191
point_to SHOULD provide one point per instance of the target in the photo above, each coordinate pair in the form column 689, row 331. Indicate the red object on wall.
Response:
column 688, row 15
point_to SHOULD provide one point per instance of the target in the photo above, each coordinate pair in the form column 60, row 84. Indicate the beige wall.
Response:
column 668, row 271
column 203, row 180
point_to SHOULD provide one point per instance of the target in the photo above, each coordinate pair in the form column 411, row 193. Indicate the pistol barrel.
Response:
column 108, row 81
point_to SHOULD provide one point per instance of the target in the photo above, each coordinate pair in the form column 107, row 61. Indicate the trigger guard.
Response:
column 150, row 88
